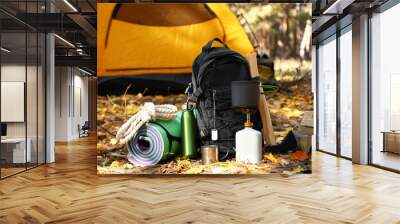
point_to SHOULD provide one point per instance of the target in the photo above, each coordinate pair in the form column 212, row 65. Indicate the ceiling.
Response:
column 332, row 15
column 74, row 22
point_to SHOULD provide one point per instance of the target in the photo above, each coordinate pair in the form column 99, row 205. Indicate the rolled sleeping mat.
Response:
column 155, row 142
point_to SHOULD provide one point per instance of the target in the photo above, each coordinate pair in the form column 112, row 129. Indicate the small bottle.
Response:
column 248, row 144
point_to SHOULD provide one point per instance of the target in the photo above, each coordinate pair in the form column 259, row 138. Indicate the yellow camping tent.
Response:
column 140, row 39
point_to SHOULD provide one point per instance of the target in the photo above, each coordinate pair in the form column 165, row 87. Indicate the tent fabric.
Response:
column 141, row 39
column 176, row 14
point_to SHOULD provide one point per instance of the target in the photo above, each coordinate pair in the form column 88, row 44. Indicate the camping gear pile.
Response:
column 213, row 71
column 211, row 117
column 207, row 124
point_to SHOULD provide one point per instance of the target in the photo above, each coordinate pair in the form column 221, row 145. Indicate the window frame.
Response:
column 341, row 27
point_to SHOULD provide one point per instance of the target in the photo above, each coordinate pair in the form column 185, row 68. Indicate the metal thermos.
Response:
column 189, row 129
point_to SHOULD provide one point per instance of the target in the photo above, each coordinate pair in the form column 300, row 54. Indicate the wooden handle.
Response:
column 268, row 130
column 252, row 60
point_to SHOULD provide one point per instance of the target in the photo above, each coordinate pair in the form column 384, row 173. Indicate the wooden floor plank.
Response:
column 69, row 191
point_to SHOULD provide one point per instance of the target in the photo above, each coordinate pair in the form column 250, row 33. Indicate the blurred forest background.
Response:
column 278, row 28
column 283, row 32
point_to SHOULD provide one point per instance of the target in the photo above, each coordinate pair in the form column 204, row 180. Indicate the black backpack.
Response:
column 212, row 73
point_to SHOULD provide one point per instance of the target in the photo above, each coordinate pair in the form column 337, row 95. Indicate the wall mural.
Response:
column 204, row 88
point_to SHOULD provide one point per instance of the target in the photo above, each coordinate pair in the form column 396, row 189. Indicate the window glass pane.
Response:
column 385, row 84
column 327, row 96
column 14, row 153
column 41, row 98
column 22, row 87
column 346, row 94
column 32, row 86
column 31, row 97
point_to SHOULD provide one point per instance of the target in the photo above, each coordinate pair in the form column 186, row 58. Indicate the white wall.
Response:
column 71, row 107
column 80, row 110
column 61, row 103
column 14, row 73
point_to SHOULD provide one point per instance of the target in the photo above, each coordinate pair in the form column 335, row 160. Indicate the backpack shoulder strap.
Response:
column 197, row 91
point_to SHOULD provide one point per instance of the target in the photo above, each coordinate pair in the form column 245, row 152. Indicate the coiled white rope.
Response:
column 149, row 112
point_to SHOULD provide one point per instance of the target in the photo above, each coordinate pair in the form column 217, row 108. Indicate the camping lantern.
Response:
column 248, row 141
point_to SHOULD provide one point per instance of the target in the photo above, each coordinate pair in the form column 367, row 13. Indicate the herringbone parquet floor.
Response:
column 70, row 192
